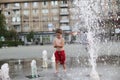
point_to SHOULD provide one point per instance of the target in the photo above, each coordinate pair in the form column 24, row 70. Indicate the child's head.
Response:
column 59, row 33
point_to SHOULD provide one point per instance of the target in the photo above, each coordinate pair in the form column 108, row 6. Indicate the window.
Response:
column 65, row 17
column 18, row 19
column 55, row 18
column 35, row 4
column 25, row 4
column 26, row 27
column 54, row 3
column 17, row 5
column 16, row 12
column 26, row 12
column 64, row 10
column 7, row 13
column 64, row 1
column 44, row 3
column 45, row 11
column 54, row 11
column 35, row 12
column 44, row 18
column 13, row 19
column 6, row 5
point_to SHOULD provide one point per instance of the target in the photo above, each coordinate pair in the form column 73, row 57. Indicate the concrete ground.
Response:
column 76, row 70
column 73, row 50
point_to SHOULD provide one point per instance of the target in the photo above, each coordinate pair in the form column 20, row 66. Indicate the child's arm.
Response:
column 54, row 44
column 61, row 45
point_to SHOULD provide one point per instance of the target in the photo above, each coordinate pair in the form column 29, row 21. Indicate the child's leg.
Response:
column 63, row 60
column 57, row 66
column 64, row 67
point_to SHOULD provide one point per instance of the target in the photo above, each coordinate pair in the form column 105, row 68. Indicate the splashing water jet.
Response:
column 5, row 71
column 34, row 69
column 89, row 12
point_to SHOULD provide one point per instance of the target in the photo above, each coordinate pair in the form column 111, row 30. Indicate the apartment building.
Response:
column 44, row 16
column 39, row 16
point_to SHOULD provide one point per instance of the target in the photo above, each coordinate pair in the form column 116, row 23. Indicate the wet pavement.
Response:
column 78, row 66
column 77, row 69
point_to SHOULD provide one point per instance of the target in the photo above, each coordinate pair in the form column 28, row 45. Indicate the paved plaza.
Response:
column 77, row 67
column 74, row 50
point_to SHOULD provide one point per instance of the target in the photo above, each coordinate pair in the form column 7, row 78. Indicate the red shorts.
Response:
column 60, row 57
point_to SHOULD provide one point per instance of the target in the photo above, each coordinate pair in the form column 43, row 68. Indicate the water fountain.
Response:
column 89, row 12
column 53, row 58
column 53, row 61
column 34, row 69
column 44, row 57
column 5, row 72
column 19, row 62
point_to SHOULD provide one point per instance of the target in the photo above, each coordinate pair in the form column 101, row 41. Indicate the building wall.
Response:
column 36, row 15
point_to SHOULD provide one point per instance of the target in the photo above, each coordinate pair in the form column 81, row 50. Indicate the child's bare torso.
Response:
column 58, row 42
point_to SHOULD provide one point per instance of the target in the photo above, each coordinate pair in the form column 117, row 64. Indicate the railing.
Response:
column 16, row 23
column 64, row 21
column 16, row 7
column 64, row 13
column 65, row 27
column 63, row 5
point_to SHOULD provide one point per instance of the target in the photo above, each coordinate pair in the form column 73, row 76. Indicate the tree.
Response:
column 11, row 35
column 2, row 25
column 30, row 36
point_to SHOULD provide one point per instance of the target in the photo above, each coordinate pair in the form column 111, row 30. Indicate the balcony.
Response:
column 16, row 7
column 64, row 13
column 16, row 23
column 25, row 17
column 65, row 27
column 64, row 21
column 44, row 7
column 64, row 5
column 17, row 28
column 7, row 8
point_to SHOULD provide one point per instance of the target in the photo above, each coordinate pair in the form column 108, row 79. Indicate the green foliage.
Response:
column 11, row 43
column 73, row 38
column 2, row 25
column 30, row 36
column 0, row 44
column 11, row 35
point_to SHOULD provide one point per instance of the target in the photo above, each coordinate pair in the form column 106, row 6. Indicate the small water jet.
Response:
column 34, row 69
column 45, row 59
column 5, row 71
column 53, row 60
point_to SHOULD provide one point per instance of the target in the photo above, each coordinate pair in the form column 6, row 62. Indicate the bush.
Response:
column 10, row 43
column 0, row 44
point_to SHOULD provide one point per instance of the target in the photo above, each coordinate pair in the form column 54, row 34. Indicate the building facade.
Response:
column 44, row 16
column 40, row 16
